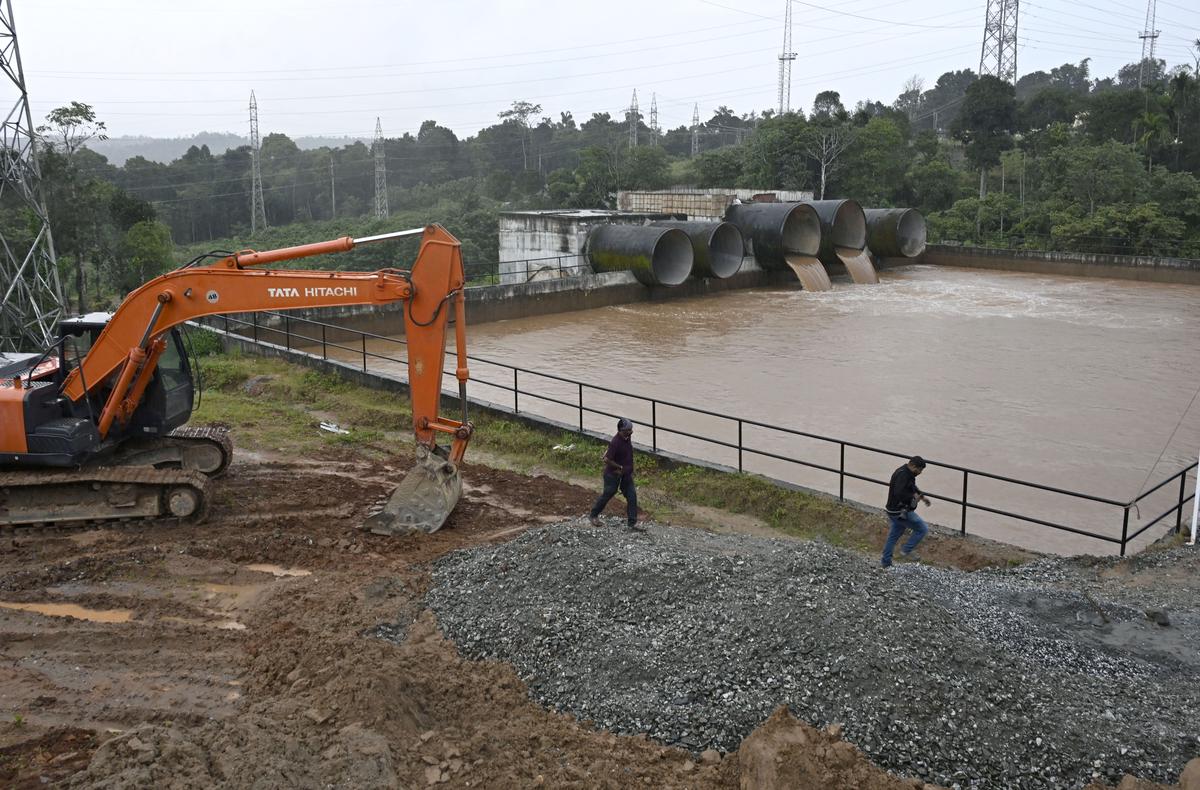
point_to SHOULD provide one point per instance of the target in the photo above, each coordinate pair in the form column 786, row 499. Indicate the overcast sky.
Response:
column 172, row 68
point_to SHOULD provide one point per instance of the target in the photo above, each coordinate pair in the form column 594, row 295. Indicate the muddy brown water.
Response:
column 810, row 271
column 1069, row 382
column 858, row 264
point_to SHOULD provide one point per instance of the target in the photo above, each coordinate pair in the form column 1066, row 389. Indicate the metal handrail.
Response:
column 740, row 445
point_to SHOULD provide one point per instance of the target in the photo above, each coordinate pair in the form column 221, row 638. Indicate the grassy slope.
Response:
column 274, row 406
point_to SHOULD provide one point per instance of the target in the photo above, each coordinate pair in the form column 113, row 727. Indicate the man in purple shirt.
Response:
column 618, row 473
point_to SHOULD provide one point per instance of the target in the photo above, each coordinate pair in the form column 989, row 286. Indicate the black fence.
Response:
column 281, row 330
column 522, row 271
column 1103, row 245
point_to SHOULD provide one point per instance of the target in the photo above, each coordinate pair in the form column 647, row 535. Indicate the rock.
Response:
column 1190, row 778
column 433, row 774
column 688, row 766
column 710, row 757
column 317, row 716
column 1158, row 617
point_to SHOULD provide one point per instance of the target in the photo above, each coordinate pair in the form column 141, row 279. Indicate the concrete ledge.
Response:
column 539, row 297
column 1073, row 264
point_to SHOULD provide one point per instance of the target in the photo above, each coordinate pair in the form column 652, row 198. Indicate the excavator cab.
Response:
column 170, row 395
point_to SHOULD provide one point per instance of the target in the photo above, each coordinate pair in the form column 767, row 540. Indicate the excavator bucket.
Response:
column 423, row 500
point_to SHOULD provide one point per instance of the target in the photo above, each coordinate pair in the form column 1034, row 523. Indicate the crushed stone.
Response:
column 1047, row 675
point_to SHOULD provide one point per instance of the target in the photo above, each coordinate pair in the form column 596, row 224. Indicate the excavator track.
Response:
column 100, row 496
column 205, row 450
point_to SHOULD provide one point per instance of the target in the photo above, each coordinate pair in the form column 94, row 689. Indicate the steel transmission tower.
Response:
column 31, row 300
column 381, row 206
column 258, row 208
column 785, row 62
column 654, row 118
column 695, row 129
column 1148, row 36
column 633, row 120
column 998, row 56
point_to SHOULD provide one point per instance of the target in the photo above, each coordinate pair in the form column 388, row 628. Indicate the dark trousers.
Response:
column 628, row 490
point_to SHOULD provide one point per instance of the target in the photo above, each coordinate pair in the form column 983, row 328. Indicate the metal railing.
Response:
column 522, row 271
column 360, row 351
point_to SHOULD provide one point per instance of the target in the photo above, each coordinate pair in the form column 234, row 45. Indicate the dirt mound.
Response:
column 787, row 754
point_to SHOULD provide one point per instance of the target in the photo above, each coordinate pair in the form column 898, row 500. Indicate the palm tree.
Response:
column 1150, row 127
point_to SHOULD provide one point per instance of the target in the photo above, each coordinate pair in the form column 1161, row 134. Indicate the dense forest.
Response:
column 1061, row 160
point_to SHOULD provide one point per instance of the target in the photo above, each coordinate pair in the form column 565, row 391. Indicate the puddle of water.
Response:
column 72, row 610
column 223, row 625
column 278, row 570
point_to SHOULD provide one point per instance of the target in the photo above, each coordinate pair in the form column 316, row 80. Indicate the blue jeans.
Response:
column 900, row 522
column 628, row 490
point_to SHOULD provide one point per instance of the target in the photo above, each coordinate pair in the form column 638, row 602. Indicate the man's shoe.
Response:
column 594, row 521
column 636, row 527
column 909, row 557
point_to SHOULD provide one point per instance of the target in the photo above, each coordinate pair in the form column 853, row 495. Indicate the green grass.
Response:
column 273, row 405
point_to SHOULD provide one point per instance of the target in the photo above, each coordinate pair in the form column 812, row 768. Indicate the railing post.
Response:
column 842, row 472
column 1182, row 497
column 654, row 428
column 581, row 407
column 287, row 332
column 1124, row 530
column 739, row 445
column 364, row 353
column 516, row 394
column 963, row 526
column 324, row 347
column 255, row 314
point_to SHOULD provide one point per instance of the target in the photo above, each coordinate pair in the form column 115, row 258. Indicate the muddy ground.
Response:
column 246, row 651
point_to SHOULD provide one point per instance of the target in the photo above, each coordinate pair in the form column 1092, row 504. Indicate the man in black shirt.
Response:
column 618, row 473
column 901, row 508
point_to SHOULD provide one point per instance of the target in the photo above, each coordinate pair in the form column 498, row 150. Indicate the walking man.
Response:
column 618, row 473
column 901, row 508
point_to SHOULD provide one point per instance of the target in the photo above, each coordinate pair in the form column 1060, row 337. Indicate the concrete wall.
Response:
column 1075, row 264
column 502, row 302
column 551, row 244
column 700, row 203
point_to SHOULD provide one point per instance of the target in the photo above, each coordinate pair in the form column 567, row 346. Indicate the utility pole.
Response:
column 696, row 129
column 258, row 208
column 381, row 204
column 1148, row 36
column 654, row 119
column 786, row 56
column 998, row 56
column 332, row 190
column 31, row 299
column 633, row 120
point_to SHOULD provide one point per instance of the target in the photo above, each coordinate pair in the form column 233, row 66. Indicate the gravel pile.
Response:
column 1041, row 676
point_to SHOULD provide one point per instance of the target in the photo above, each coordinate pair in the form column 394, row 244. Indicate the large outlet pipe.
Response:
column 895, row 232
column 656, row 256
column 717, row 247
column 843, row 224
column 773, row 231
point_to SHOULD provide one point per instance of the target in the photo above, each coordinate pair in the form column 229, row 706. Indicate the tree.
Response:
column 824, row 143
column 773, row 157
column 875, row 163
column 986, row 123
column 827, row 106
column 70, row 128
column 521, row 112
column 909, row 100
column 144, row 253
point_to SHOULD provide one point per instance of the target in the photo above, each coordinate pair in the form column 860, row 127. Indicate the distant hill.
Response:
column 168, row 149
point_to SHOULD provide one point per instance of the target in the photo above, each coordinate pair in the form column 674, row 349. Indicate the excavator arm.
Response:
column 126, row 352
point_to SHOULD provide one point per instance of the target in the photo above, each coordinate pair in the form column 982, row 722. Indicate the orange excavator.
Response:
column 94, row 429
